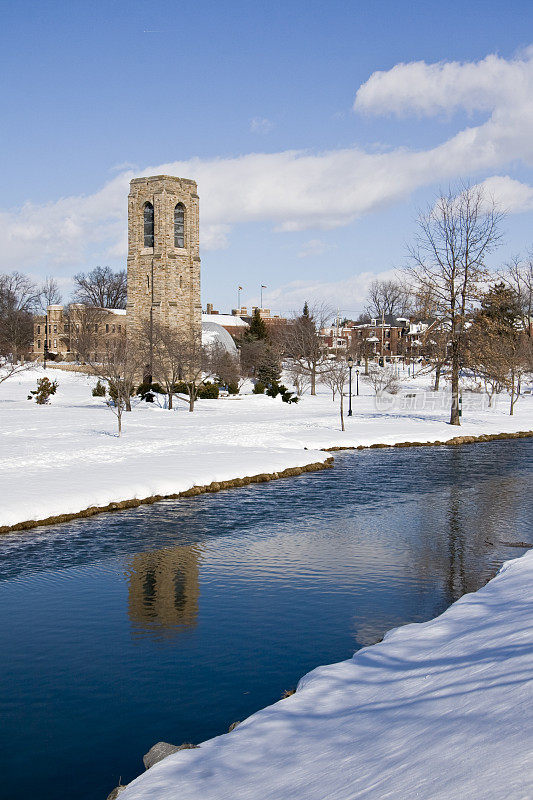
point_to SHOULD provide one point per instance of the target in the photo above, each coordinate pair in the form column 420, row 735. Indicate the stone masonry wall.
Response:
column 163, row 279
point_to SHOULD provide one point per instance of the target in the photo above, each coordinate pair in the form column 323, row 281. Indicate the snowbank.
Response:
column 438, row 710
column 65, row 457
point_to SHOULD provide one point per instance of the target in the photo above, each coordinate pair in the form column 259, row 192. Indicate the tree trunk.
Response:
column 513, row 400
column 191, row 400
column 342, row 411
column 170, row 401
column 313, row 380
column 366, row 365
column 455, row 419
column 119, row 418
column 437, row 378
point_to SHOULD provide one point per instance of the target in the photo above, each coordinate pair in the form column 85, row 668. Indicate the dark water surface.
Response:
column 172, row 621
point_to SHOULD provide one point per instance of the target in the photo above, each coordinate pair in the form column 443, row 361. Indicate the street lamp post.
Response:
column 357, row 378
column 350, row 365
column 45, row 352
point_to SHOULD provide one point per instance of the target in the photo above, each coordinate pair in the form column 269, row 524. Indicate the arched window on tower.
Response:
column 179, row 225
column 148, row 215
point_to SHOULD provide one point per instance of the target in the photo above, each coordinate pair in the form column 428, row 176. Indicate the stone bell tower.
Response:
column 163, row 255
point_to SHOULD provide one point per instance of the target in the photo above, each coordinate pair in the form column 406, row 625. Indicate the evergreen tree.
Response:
column 500, row 308
column 268, row 370
column 305, row 312
column 258, row 328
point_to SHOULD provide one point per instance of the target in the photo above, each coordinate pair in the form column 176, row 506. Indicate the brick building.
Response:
column 62, row 327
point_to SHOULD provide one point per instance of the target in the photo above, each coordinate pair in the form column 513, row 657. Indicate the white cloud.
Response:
column 299, row 190
column 261, row 125
column 348, row 295
column 314, row 247
column 509, row 194
column 428, row 89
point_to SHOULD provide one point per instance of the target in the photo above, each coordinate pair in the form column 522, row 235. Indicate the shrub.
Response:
column 147, row 391
column 273, row 390
column 233, row 388
column 180, row 388
column 286, row 395
column 99, row 390
column 208, row 391
column 289, row 397
column 259, row 388
column 45, row 389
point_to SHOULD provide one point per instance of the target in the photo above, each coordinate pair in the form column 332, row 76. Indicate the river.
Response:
column 172, row 621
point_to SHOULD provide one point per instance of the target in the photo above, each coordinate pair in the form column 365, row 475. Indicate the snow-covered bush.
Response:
column 45, row 389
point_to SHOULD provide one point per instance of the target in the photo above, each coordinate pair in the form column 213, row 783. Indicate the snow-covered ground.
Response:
column 437, row 711
column 64, row 457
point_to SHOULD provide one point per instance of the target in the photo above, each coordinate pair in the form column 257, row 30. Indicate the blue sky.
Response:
column 97, row 93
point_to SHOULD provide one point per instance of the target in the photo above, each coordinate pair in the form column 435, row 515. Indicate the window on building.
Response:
column 65, row 328
column 148, row 281
column 77, row 327
column 148, row 217
column 107, row 328
column 119, row 328
column 96, row 327
column 179, row 225
column 38, row 328
column 55, row 344
column 113, row 329
column 181, row 282
column 55, row 328
column 38, row 344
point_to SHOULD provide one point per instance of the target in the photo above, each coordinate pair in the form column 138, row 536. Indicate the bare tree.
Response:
column 161, row 351
column 437, row 351
column 9, row 368
column 520, row 364
column 302, row 343
column 225, row 366
column 195, row 364
column 383, row 379
column 448, row 261
column 300, row 379
column 49, row 293
column 518, row 275
column 335, row 374
column 101, row 287
column 18, row 300
column 487, row 357
column 84, row 338
column 387, row 298
column 118, row 362
column 361, row 348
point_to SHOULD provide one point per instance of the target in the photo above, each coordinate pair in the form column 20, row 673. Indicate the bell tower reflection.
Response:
column 164, row 588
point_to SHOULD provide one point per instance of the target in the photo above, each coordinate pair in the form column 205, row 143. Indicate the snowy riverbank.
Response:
column 436, row 711
column 66, row 457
